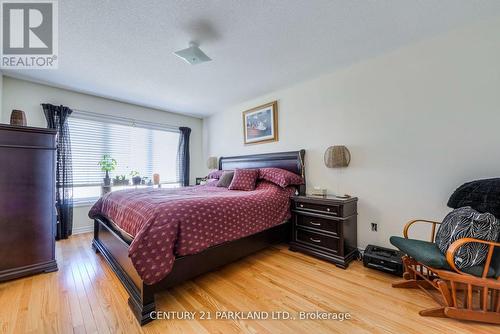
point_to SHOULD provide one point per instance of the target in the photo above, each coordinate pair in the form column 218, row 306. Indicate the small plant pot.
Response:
column 107, row 179
column 120, row 182
column 136, row 180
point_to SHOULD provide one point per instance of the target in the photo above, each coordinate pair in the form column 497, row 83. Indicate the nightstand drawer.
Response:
column 328, row 209
column 323, row 224
column 317, row 240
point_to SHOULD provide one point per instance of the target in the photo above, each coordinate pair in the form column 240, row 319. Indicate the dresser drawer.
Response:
column 329, row 243
column 317, row 223
column 331, row 209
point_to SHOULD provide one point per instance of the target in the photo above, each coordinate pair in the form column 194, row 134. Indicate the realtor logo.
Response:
column 29, row 34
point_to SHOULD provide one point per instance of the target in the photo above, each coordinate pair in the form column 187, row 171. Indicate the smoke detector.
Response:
column 193, row 55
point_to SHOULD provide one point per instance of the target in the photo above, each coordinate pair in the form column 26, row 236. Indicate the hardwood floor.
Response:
column 84, row 296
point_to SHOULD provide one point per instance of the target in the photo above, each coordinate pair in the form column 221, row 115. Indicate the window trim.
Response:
column 97, row 117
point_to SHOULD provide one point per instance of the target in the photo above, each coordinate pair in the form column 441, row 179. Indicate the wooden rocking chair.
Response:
column 471, row 294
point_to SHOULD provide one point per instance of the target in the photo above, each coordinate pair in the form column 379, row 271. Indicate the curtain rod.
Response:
column 124, row 120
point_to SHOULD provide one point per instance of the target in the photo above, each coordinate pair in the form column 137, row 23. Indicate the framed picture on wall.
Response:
column 260, row 124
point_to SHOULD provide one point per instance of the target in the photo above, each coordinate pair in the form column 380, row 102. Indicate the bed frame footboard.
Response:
column 115, row 252
column 141, row 296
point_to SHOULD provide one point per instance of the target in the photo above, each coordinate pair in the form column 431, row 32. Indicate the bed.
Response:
column 114, row 241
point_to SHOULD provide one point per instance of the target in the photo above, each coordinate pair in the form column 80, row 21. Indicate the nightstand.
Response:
column 325, row 227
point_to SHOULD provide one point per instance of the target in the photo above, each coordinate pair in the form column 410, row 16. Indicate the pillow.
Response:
column 212, row 182
column 244, row 179
column 468, row 223
column 281, row 177
column 225, row 179
column 215, row 174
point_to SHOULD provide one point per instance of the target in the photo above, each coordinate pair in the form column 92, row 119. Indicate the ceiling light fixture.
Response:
column 193, row 55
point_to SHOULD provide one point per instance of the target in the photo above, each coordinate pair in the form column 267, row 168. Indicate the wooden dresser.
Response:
column 325, row 227
column 27, row 197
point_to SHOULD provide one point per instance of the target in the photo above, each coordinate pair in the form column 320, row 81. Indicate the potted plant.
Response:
column 108, row 164
column 120, row 180
column 136, row 179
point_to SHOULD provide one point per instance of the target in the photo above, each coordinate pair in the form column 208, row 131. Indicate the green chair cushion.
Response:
column 425, row 252
column 429, row 254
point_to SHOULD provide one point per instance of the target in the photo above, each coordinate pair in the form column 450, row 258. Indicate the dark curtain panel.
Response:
column 57, row 119
column 183, row 156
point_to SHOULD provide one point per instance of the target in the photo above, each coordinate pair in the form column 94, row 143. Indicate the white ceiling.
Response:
column 123, row 49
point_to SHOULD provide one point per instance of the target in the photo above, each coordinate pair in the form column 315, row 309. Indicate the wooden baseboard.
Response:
column 339, row 261
column 83, row 229
column 46, row 267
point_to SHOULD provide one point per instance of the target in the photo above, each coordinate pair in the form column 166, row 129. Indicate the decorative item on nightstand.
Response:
column 200, row 181
column 318, row 191
column 325, row 228
column 337, row 156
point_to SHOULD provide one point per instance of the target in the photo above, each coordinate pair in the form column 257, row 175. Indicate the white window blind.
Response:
column 142, row 147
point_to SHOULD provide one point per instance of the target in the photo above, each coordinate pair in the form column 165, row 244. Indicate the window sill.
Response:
column 89, row 201
column 84, row 202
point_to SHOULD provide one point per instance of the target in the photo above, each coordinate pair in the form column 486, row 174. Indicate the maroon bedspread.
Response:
column 174, row 222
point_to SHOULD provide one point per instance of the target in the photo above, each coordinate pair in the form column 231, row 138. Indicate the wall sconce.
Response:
column 337, row 156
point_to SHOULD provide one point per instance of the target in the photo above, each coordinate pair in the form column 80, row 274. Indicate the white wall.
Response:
column 27, row 96
column 418, row 121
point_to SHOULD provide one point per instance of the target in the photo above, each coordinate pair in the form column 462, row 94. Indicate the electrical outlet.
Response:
column 374, row 227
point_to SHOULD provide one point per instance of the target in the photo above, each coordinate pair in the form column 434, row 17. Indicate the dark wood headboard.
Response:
column 292, row 161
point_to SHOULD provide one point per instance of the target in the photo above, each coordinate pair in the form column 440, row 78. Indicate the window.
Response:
column 136, row 146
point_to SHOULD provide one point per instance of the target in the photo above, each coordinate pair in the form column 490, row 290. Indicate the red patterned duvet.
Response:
column 174, row 222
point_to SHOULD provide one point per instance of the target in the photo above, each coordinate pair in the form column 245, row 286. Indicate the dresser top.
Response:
column 9, row 127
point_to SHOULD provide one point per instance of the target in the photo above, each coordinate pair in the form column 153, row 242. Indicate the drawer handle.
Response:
column 328, row 209
column 315, row 240
column 315, row 224
column 301, row 205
